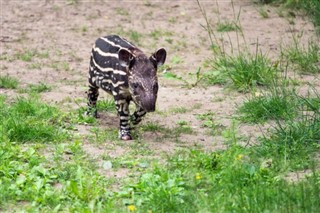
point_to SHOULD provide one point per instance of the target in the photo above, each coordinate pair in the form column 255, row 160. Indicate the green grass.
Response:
column 38, row 88
column 278, row 104
column 162, row 132
column 225, row 181
column 30, row 120
column 100, row 135
column 160, row 33
column 122, row 11
column 152, row 127
column 28, row 55
column 60, row 66
column 106, row 105
column 227, row 27
column 62, row 177
column 243, row 72
column 238, row 179
column 208, row 121
column 8, row 82
column 304, row 59
column 177, row 110
column 30, row 182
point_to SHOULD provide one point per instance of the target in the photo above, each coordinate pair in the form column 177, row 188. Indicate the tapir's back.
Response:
column 105, row 51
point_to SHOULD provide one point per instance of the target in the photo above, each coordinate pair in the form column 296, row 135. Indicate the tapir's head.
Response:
column 142, row 76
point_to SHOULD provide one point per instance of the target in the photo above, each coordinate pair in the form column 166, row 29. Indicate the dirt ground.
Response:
column 67, row 29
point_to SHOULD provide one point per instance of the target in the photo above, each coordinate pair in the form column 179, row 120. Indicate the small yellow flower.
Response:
column 132, row 208
column 258, row 94
column 239, row 157
column 198, row 176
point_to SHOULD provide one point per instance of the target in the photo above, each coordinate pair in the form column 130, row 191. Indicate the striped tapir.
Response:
column 124, row 71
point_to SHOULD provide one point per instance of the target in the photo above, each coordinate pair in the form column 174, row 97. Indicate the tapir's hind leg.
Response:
column 93, row 94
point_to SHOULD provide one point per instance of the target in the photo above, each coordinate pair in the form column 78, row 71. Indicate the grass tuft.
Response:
column 8, row 82
column 278, row 104
column 243, row 72
column 304, row 59
column 227, row 27
column 30, row 120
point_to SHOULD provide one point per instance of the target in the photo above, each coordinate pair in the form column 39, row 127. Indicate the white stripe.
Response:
column 116, row 45
column 124, row 118
column 113, row 84
column 108, row 69
column 121, row 101
column 97, row 49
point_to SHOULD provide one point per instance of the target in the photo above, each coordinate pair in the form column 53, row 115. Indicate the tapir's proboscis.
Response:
column 124, row 71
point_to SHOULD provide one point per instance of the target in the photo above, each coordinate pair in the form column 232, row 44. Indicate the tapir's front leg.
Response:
column 123, row 112
column 137, row 115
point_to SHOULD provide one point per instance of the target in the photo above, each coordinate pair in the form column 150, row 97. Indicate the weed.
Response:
column 84, row 29
column 30, row 120
column 103, row 135
column 263, row 12
column 176, row 59
column 106, row 105
column 80, row 116
column 305, row 60
column 122, row 11
column 34, row 66
column 172, row 20
column 183, row 128
column 72, row 2
column 280, row 103
column 226, row 180
column 60, row 66
column 169, row 40
column 152, row 127
column 8, row 82
column 291, row 145
column 38, row 88
column 243, row 72
column 6, row 56
column 179, row 110
column 209, row 122
column 157, row 34
column 198, row 78
column 28, row 55
column 227, row 27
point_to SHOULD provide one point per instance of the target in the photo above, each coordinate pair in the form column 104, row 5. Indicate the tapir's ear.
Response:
column 126, row 58
column 159, row 57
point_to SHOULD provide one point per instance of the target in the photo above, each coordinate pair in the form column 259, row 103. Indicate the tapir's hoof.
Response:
column 126, row 137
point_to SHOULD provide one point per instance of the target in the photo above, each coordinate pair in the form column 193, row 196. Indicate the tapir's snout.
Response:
column 149, row 103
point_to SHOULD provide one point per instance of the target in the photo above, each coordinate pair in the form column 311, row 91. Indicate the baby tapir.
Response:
column 124, row 71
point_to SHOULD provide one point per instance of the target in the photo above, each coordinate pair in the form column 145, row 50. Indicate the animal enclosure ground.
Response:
column 45, row 47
